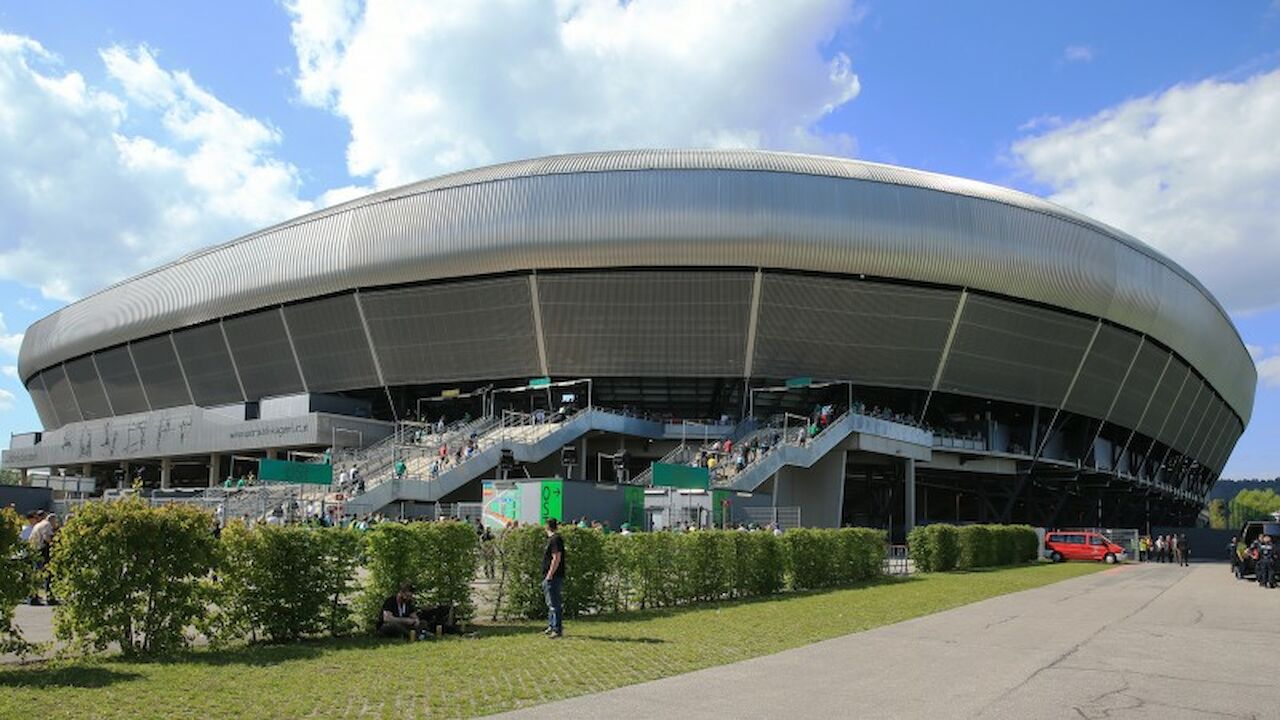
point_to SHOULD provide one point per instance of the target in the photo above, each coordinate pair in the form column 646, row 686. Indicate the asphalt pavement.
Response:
column 1134, row 641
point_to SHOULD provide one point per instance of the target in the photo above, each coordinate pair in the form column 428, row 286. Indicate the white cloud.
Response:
column 6, row 400
column 1255, row 351
column 9, row 342
column 1192, row 170
column 10, row 371
column 431, row 87
column 1269, row 371
column 86, row 199
column 1078, row 53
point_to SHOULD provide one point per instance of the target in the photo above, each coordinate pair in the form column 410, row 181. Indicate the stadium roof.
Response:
column 678, row 208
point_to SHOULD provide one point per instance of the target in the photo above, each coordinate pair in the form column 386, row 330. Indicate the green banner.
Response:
column 681, row 476
column 718, row 498
column 296, row 473
column 551, row 501
column 633, row 502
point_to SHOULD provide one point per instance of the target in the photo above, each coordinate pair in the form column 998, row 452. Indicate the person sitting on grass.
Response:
column 399, row 615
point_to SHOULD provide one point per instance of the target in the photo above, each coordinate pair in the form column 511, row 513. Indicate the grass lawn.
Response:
column 502, row 670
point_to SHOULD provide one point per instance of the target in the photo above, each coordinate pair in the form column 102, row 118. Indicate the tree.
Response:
column 1218, row 514
column 1253, row 505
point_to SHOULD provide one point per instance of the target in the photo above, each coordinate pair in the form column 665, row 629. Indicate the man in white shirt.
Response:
column 41, row 541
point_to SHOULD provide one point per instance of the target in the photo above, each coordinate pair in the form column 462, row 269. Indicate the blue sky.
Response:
column 169, row 126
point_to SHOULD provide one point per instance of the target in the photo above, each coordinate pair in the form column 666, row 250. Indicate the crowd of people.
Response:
column 1171, row 548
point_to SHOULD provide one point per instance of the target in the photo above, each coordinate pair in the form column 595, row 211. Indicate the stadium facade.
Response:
column 1005, row 358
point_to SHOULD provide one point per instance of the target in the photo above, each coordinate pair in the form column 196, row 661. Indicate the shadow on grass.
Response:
column 678, row 610
column 43, row 676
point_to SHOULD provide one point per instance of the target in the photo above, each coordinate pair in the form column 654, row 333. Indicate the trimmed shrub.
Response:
column 941, row 547
column 1026, row 544
column 16, row 581
column 977, row 547
column 283, row 582
column 812, row 556
column 861, row 554
column 585, row 570
column 131, row 574
column 702, row 562
column 758, row 566
column 439, row 558
column 920, row 548
column 588, row 582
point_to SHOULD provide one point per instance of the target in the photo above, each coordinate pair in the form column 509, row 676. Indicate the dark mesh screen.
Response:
column 1014, row 352
column 1140, row 385
column 1102, row 372
column 121, row 380
column 88, row 390
column 262, row 353
column 40, row 398
column 208, row 365
column 1194, row 403
column 867, row 332
column 160, row 373
column 439, row 333
column 1162, row 400
column 646, row 323
column 331, row 344
column 55, row 380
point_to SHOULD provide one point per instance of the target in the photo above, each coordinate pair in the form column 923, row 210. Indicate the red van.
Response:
column 1081, row 545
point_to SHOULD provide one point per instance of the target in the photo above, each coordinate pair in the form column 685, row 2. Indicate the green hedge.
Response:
column 439, row 558
column 132, row 574
column 586, row 564
column 282, row 582
column 647, row 570
column 16, row 581
column 942, row 547
column 817, row 558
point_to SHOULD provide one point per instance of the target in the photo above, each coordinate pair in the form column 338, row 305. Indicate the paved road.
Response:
column 1136, row 641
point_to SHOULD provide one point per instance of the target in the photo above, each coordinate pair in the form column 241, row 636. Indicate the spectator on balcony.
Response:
column 401, row 468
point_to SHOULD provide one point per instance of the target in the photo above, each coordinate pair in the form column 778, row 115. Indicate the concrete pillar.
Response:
column 215, row 470
column 22, row 477
column 909, row 494
column 126, row 479
column 86, row 470
column 273, row 454
column 818, row 490
column 166, row 473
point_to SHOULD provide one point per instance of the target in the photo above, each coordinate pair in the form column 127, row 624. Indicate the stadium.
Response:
column 865, row 344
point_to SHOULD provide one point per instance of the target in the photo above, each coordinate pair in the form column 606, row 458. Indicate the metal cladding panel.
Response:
column 1166, row 393
column 458, row 331
column 1102, row 371
column 60, row 397
column 207, row 363
column 646, row 323
column 1225, row 442
column 262, row 354
column 1136, row 392
column 867, row 332
column 1180, row 413
column 678, row 208
column 90, row 397
column 1214, row 418
column 1014, row 352
column 1234, row 431
column 1195, row 417
column 160, row 373
column 332, row 346
column 40, row 398
column 115, row 367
